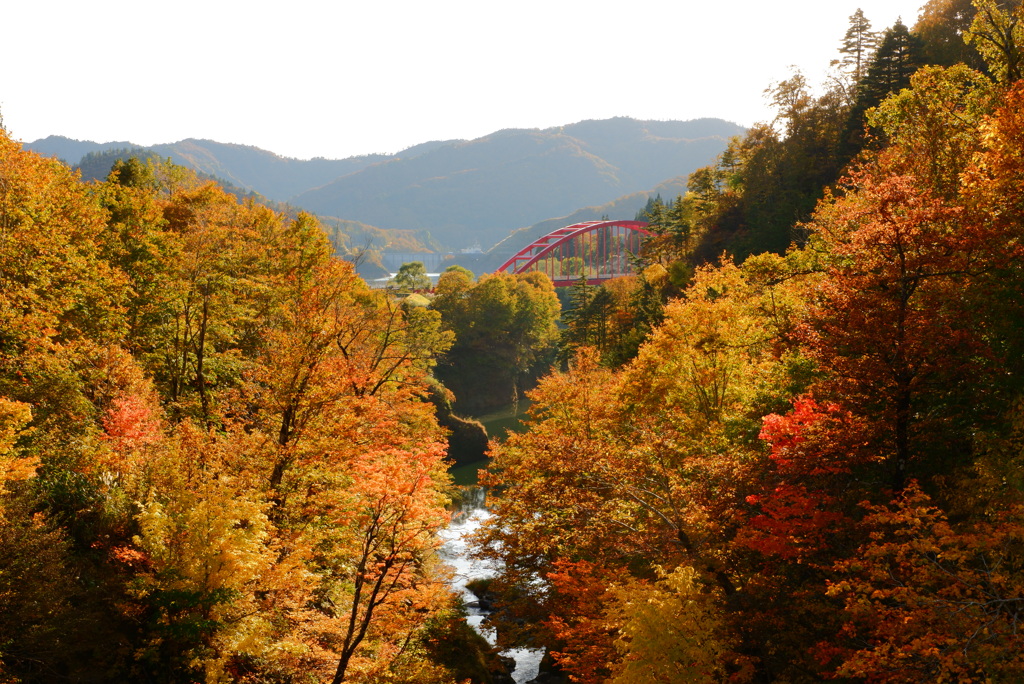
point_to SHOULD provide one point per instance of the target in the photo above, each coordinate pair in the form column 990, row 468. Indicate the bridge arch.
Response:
column 598, row 250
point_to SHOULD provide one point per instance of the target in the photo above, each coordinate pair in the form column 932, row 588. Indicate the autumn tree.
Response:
column 645, row 466
column 904, row 331
column 215, row 443
column 942, row 26
column 15, row 417
column 205, row 557
column 930, row 599
column 894, row 324
column 989, row 183
column 352, row 458
column 61, row 364
column 412, row 276
column 998, row 35
column 208, row 304
column 504, row 328
column 397, row 508
column 934, row 126
column 827, row 441
column 692, row 648
column 61, row 319
column 887, row 328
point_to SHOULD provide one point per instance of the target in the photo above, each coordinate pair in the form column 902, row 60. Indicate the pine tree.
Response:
column 898, row 56
column 895, row 61
column 859, row 44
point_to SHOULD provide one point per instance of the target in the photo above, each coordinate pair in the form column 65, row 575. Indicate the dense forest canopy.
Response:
column 790, row 449
column 216, row 429
column 810, row 468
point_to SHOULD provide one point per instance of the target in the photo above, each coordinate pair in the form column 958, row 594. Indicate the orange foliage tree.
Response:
column 930, row 601
column 232, row 446
column 651, row 465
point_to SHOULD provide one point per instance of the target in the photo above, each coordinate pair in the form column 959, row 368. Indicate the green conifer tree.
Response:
column 859, row 44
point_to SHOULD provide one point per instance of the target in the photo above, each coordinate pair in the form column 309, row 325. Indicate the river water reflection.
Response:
column 498, row 424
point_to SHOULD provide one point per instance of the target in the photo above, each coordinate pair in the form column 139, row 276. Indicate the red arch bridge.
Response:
column 598, row 250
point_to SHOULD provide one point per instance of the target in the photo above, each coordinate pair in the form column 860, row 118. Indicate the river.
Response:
column 498, row 424
column 457, row 550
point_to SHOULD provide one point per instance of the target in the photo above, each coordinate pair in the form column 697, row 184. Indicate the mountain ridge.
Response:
column 459, row 192
column 516, row 177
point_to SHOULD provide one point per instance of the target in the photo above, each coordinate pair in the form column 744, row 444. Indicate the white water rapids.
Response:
column 457, row 553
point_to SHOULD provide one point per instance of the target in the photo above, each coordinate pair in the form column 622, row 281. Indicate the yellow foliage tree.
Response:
column 14, row 417
column 210, row 563
column 669, row 631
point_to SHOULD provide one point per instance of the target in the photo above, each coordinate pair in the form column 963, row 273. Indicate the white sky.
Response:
column 336, row 78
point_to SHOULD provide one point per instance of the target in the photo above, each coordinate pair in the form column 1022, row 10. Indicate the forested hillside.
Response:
column 791, row 449
column 216, row 460
column 810, row 467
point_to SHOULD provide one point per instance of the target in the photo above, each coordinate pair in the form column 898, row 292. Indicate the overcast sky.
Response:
column 337, row 78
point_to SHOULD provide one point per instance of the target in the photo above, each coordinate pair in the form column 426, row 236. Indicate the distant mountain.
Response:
column 478, row 191
column 72, row 151
column 278, row 178
column 96, row 166
column 459, row 193
column 275, row 177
